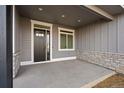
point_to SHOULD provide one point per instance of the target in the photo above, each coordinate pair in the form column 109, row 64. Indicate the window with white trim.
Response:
column 66, row 39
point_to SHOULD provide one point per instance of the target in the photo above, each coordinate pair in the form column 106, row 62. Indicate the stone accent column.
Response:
column 16, row 63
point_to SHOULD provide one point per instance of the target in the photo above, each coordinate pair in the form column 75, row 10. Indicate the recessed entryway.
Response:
column 41, row 45
column 41, row 41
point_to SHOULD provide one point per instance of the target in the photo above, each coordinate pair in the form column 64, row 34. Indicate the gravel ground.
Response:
column 115, row 81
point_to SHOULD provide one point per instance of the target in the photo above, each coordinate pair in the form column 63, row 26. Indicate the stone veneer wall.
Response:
column 102, row 43
column 16, row 63
column 105, row 59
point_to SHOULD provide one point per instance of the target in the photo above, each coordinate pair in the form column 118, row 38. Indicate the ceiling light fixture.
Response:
column 62, row 16
column 122, row 6
column 40, row 9
column 79, row 20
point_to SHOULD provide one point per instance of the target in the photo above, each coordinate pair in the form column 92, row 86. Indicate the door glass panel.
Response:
column 63, row 41
column 70, row 41
column 48, row 45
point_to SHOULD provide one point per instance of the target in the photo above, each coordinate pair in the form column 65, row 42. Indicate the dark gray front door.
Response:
column 39, row 45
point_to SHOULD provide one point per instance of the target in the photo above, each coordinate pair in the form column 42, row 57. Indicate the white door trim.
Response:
column 32, row 37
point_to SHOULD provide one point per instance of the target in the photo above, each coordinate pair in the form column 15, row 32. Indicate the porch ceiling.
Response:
column 112, row 9
column 70, row 15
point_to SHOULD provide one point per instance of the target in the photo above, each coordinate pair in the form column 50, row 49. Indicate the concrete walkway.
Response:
column 64, row 74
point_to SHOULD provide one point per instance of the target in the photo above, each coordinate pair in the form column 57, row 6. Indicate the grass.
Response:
column 115, row 81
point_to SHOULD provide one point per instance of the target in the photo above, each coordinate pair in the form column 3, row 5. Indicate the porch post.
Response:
column 6, row 46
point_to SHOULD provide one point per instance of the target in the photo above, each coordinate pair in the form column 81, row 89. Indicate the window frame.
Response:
column 67, row 30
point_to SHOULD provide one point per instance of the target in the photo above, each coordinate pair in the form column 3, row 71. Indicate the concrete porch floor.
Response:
column 64, row 74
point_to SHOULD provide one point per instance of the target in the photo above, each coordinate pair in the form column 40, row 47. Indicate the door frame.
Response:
column 32, row 37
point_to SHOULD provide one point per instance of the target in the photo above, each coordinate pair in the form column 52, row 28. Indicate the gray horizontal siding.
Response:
column 99, row 36
column 55, row 52
column 26, row 41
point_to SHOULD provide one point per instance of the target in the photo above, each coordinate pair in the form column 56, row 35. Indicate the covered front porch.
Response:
column 66, row 46
column 64, row 74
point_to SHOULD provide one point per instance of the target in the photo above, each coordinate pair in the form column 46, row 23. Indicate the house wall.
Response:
column 25, row 27
column 56, row 53
column 102, row 43
column 16, row 42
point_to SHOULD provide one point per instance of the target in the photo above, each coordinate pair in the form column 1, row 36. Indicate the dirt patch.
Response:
column 115, row 81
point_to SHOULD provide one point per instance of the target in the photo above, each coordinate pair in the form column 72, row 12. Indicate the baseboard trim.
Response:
column 95, row 82
column 64, row 58
column 53, row 60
